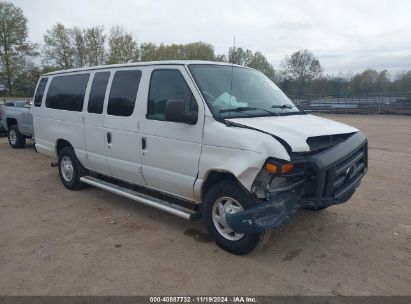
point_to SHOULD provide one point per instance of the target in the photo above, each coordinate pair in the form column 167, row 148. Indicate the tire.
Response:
column 16, row 139
column 70, row 169
column 238, row 244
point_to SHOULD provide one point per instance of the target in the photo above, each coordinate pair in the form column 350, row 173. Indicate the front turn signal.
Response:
column 275, row 169
column 271, row 168
column 287, row 168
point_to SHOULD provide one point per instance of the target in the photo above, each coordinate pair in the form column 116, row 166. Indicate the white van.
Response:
column 197, row 139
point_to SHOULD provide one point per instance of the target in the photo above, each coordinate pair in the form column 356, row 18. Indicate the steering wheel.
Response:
column 209, row 96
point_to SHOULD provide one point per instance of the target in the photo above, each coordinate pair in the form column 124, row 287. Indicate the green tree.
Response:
column 148, row 51
column 301, row 68
column 26, row 79
column 365, row 82
column 253, row 60
column 260, row 62
column 237, row 55
column 122, row 46
column 338, row 86
column 13, row 44
column 402, row 82
column 59, row 50
column 191, row 51
column 220, row 58
column 80, row 50
column 168, row 52
column 383, row 81
column 198, row 51
column 94, row 40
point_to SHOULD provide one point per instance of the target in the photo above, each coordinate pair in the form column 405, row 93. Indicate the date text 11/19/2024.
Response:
column 203, row 299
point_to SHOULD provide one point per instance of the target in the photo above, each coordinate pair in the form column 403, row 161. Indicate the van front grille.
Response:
column 346, row 173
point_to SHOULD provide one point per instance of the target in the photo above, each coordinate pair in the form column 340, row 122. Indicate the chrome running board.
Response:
column 142, row 198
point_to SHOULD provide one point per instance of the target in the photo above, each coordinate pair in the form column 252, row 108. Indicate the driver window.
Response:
column 168, row 85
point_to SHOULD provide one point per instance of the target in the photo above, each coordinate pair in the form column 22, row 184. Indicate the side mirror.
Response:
column 175, row 112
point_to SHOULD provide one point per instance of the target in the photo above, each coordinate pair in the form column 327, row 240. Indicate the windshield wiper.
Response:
column 242, row 109
column 284, row 106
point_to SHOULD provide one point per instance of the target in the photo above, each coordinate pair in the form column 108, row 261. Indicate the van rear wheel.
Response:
column 228, row 197
column 70, row 169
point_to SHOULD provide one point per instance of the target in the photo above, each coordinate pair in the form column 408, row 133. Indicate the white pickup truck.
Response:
column 17, row 121
column 197, row 139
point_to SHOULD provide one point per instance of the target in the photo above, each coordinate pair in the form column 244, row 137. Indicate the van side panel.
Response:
column 225, row 150
column 57, row 126
column 172, row 150
column 124, row 150
column 95, row 134
column 50, row 125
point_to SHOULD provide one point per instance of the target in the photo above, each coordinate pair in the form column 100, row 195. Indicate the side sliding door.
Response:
column 123, row 140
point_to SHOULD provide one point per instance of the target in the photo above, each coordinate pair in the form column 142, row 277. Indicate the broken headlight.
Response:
column 277, row 176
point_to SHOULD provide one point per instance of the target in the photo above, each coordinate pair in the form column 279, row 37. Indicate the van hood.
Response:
column 295, row 129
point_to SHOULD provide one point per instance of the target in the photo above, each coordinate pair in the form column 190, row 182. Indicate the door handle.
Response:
column 109, row 137
column 143, row 143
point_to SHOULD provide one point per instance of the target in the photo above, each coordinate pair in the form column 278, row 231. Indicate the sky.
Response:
column 347, row 36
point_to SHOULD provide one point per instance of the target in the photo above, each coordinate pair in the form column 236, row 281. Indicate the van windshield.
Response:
column 232, row 91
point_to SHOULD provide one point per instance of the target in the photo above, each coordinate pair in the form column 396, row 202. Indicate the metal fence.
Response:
column 380, row 103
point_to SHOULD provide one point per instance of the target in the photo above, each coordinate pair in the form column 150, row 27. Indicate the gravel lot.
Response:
column 59, row 242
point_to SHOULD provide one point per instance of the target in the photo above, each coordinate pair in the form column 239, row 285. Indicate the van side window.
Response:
column 97, row 92
column 123, row 93
column 67, row 92
column 38, row 97
column 168, row 85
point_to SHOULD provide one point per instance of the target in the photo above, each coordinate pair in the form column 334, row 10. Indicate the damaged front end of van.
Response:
column 326, row 175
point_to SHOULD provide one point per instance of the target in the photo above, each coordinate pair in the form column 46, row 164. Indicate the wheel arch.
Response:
column 11, row 122
column 215, row 176
column 61, row 144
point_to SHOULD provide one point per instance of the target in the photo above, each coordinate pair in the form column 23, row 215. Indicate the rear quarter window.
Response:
column 67, row 92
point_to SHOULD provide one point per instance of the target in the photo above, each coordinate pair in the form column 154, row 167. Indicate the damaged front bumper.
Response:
column 267, row 215
column 331, row 178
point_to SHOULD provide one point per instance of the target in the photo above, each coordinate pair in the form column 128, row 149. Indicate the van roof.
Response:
column 147, row 63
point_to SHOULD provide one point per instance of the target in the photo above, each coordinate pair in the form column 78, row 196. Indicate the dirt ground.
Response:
column 59, row 242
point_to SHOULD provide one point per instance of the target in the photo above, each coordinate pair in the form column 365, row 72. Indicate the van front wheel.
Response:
column 228, row 197
column 70, row 169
